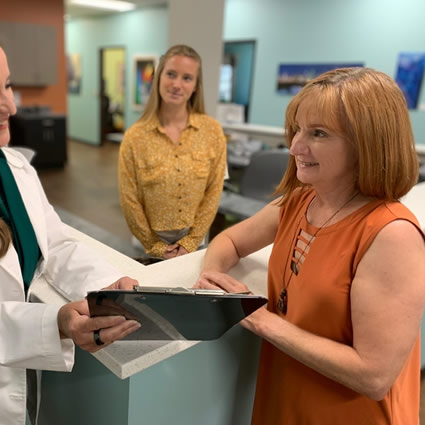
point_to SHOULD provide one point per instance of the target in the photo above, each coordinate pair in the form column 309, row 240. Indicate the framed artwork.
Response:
column 73, row 62
column 409, row 76
column 292, row 78
column 144, row 67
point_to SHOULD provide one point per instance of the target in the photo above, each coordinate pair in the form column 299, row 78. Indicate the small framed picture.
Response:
column 292, row 78
column 409, row 76
column 144, row 67
column 74, row 73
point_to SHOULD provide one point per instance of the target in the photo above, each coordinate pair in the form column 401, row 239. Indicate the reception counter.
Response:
column 155, row 382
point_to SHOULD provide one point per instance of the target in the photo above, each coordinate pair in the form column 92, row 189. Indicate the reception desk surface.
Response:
column 126, row 358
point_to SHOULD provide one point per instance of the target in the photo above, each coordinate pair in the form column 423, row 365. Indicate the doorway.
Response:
column 238, row 71
column 112, row 94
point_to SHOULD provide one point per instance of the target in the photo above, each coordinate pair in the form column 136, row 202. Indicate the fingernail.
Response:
column 135, row 324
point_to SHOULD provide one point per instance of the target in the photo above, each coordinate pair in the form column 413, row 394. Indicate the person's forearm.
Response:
column 344, row 364
column 221, row 254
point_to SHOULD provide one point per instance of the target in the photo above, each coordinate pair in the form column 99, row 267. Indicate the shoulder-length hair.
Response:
column 195, row 103
column 370, row 111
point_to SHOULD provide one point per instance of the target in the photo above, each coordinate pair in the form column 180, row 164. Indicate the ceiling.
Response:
column 76, row 11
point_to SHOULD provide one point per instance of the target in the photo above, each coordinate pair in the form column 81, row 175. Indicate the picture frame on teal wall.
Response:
column 73, row 63
column 143, row 68
column 292, row 78
column 409, row 76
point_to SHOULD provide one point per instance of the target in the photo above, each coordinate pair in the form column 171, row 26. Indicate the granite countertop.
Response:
column 126, row 358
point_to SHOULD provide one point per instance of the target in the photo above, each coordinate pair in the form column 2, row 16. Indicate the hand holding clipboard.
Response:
column 175, row 313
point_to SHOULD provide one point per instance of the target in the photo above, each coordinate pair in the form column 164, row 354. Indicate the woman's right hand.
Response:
column 74, row 322
column 171, row 251
column 174, row 250
column 218, row 280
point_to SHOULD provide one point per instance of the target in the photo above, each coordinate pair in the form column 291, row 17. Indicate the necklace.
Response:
column 282, row 303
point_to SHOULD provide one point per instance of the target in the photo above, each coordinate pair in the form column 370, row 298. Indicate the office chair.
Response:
column 422, row 173
column 258, row 183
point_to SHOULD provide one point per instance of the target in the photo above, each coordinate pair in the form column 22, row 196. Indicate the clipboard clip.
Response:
column 181, row 290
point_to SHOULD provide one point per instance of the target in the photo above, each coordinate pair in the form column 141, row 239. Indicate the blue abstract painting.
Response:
column 409, row 76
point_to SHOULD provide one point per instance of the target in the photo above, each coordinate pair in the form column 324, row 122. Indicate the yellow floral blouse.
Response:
column 171, row 186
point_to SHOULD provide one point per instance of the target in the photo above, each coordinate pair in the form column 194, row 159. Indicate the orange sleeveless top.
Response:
column 289, row 393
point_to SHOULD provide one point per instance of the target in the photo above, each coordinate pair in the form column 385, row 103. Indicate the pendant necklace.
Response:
column 282, row 303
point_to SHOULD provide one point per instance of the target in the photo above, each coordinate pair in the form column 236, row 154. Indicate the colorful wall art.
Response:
column 144, row 67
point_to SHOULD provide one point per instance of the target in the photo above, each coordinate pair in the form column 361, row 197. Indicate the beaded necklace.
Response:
column 282, row 303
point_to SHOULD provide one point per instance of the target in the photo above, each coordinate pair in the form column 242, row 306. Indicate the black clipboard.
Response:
column 175, row 313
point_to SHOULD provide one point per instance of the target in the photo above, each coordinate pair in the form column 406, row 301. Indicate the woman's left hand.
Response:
column 171, row 251
column 174, row 250
column 181, row 251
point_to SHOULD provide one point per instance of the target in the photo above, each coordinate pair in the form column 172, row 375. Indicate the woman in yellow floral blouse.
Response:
column 172, row 161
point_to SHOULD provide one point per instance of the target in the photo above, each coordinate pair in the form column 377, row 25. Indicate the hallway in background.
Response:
column 85, row 193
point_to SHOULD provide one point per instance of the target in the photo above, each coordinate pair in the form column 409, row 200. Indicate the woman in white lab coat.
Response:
column 35, row 335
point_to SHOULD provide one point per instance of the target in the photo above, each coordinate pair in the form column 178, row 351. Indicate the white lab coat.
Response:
column 29, row 336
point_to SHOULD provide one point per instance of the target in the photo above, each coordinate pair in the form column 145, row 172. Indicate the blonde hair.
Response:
column 196, row 102
column 370, row 111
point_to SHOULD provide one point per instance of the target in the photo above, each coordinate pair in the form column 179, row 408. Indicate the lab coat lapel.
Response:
column 35, row 211
column 30, row 194
column 10, row 264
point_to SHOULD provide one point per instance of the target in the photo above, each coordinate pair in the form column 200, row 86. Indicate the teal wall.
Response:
column 286, row 31
column 299, row 31
column 142, row 32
